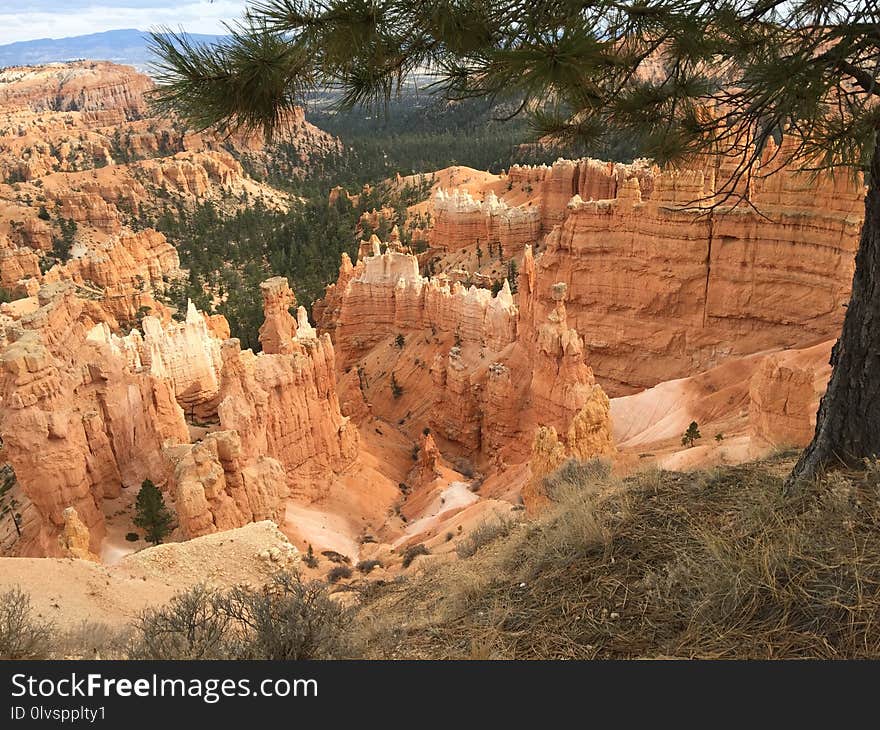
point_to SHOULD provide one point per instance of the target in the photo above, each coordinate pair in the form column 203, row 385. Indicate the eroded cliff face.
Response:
column 477, row 370
column 664, row 293
column 215, row 487
column 784, row 395
column 283, row 402
column 461, row 221
column 666, row 279
column 86, row 413
column 186, row 353
column 87, row 86
column 77, row 423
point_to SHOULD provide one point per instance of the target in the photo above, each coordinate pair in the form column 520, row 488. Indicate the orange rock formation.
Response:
column 662, row 283
column 77, row 423
column 497, row 370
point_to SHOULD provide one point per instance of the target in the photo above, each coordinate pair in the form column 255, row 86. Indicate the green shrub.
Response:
column 310, row 559
column 151, row 514
column 691, row 435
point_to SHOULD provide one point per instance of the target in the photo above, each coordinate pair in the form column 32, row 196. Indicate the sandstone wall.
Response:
column 784, row 395
column 215, row 488
column 283, row 402
column 460, row 221
column 662, row 292
column 186, row 353
column 77, row 423
column 506, row 369
column 385, row 294
column 661, row 282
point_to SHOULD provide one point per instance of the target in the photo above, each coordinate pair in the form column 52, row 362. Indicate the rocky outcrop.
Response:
column 77, row 423
column 215, row 488
column 186, row 353
column 278, row 330
column 784, row 395
column 283, row 402
column 74, row 539
column 385, row 294
column 548, row 454
column 460, row 221
column 497, row 370
column 427, row 466
column 125, row 271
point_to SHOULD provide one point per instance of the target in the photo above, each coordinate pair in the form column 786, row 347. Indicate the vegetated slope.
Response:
column 719, row 564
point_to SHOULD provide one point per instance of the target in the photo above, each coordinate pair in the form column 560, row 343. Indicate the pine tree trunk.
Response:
column 848, row 421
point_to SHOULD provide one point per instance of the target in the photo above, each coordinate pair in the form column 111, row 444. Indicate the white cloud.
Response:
column 196, row 17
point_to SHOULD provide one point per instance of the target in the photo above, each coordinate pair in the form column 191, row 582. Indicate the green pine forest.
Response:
column 232, row 255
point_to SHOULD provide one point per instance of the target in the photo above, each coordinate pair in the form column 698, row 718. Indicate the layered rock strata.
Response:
column 665, row 276
column 77, row 423
column 505, row 369
column 281, row 429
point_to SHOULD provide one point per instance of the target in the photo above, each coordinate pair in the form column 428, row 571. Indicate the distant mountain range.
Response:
column 127, row 46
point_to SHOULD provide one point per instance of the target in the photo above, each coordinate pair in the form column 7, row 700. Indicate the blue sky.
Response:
column 29, row 19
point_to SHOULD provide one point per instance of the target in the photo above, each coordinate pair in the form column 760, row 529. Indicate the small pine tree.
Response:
column 400, row 340
column 691, row 435
column 479, row 255
column 719, row 437
column 512, row 275
column 310, row 559
column 44, row 214
column 151, row 514
column 396, row 388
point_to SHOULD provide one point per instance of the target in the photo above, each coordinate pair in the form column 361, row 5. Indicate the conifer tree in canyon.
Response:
column 685, row 77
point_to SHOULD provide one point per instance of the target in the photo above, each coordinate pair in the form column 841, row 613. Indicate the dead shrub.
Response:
column 96, row 640
column 288, row 620
column 412, row 552
column 338, row 573
column 190, row 626
column 285, row 620
column 367, row 566
column 22, row 634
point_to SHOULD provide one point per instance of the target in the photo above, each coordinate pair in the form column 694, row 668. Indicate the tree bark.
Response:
column 848, row 421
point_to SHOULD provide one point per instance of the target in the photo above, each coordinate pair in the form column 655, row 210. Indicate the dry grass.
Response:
column 94, row 640
column 483, row 534
column 718, row 564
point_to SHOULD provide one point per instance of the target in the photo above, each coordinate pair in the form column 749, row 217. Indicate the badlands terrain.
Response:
column 511, row 322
